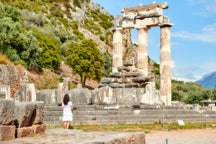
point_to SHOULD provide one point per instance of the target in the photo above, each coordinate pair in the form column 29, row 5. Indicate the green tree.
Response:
column 85, row 60
column 107, row 66
column 214, row 93
column 51, row 55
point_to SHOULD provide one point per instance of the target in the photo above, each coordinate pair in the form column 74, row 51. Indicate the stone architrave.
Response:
column 142, row 53
column 165, row 64
column 117, row 49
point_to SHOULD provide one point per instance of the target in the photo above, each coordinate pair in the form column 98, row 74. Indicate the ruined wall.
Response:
column 10, row 75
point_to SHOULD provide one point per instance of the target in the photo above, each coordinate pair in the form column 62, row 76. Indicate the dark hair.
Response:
column 66, row 99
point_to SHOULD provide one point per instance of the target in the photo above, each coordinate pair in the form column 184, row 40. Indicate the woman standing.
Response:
column 67, row 111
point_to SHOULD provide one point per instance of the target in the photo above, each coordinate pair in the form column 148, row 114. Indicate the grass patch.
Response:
column 146, row 128
column 142, row 127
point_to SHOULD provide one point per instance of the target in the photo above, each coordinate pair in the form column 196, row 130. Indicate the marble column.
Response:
column 142, row 53
column 117, row 49
column 165, row 64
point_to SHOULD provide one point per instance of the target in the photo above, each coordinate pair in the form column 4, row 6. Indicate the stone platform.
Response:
column 114, row 114
column 68, row 136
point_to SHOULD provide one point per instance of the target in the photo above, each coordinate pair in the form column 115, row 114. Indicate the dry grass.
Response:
column 5, row 60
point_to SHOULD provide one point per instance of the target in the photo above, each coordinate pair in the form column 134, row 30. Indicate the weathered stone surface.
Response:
column 10, row 75
column 39, row 128
column 132, row 74
column 103, row 95
column 39, row 112
column 80, row 96
column 48, row 96
column 7, row 132
column 116, row 74
column 123, row 68
column 136, row 138
column 128, row 62
column 5, row 92
column 126, row 96
column 117, row 85
column 131, row 85
column 7, row 115
column 25, row 93
column 141, row 79
column 24, row 132
column 108, row 80
column 25, row 114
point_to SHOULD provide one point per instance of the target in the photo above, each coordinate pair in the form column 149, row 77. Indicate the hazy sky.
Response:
column 193, row 36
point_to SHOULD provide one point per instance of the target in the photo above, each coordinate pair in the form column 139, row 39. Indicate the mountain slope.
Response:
column 208, row 80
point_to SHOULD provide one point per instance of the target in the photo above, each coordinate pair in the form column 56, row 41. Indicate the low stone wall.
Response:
column 20, row 119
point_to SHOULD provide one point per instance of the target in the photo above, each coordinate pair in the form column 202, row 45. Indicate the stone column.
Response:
column 117, row 49
column 142, row 54
column 165, row 64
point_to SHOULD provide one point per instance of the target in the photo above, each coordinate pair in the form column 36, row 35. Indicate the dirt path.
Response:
column 195, row 136
column 59, row 136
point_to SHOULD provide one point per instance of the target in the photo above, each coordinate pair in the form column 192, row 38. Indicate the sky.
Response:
column 193, row 35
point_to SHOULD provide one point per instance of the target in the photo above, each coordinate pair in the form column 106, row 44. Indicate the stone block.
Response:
column 39, row 128
column 39, row 112
column 80, row 96
column 26, row 93
column 24, row 132
column 7, row 132
column 7, row 115
column 48, row 96
column 103, row 95
column 25, row 114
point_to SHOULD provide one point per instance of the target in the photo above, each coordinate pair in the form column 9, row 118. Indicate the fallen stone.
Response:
column 25, row 114
column 7, row 115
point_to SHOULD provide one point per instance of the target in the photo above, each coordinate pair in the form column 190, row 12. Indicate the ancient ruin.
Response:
column 128, row 95
column 142, row 18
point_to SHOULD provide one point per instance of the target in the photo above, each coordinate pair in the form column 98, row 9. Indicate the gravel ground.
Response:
column 57, row 136
column 195, row 136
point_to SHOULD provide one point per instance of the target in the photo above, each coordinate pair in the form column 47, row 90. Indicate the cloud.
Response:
column 186, row 73
column 207, row 7
column 192, row 72
column 207, row 34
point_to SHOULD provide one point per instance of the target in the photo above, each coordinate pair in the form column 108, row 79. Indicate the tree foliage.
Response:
column 189, row 92
column 19, row 45
column 51, row 55
column 107, row 66
column 85, row 60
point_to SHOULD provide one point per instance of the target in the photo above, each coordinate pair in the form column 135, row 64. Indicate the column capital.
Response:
column 143, row 27
column 117, row 29
column 165, row 25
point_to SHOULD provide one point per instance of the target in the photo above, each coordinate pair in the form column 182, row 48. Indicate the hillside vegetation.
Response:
column 37, row 34
column 43, row 36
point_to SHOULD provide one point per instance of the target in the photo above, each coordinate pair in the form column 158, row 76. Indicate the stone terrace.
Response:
column 99, row 114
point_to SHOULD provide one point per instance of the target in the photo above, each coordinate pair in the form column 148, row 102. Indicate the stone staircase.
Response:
column 100, row 114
